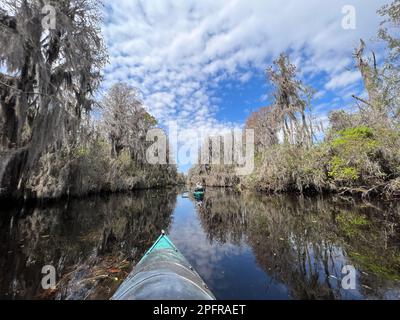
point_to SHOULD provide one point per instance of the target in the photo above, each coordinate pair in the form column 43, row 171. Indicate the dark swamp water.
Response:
column 245, row 246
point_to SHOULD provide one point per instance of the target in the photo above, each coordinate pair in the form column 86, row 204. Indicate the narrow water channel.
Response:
column 245, row 246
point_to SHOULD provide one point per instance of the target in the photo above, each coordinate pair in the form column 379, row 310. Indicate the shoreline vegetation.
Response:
column 58, row 138
column 359, row 153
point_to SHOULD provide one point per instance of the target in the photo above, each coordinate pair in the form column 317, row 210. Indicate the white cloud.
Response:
column 343, row 79
column 177, row 52
column 318, row 95
column 245, row 77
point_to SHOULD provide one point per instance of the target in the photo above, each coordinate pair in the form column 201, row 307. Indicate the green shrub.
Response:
column 352, row 224
column 354, row 153
column 353, row 139
column 340, row 171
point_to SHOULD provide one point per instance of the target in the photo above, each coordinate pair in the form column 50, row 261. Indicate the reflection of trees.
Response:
column 298, row 250
column 300, row 242
column 83, row 239
column 223, row 216
column 372, row 239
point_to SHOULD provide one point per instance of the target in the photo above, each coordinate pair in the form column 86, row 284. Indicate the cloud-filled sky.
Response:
column 201, row 63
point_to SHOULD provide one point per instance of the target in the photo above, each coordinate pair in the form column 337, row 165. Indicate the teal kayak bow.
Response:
column 163, row 273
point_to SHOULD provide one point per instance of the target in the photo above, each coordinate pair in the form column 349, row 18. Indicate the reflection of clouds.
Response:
column 243, row 246
column 192, row 241
column 227, row 266
column 292, row 244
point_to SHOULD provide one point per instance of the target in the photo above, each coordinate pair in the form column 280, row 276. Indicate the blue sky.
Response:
column 201, row 63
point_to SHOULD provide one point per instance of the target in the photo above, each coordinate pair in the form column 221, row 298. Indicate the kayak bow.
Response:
column 163, row 274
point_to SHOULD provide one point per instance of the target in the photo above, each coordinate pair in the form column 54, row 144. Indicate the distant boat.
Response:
column 185, row 195
column 199, row 195
column 163, row 274
column 199, row 191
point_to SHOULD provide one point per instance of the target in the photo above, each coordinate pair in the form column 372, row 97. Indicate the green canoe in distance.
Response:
column 163, row 273
column 198, row 194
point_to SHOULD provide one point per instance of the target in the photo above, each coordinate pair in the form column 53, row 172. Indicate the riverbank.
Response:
column 389, row 191
column 358, row 160
column 12, row 202
column 78, row 170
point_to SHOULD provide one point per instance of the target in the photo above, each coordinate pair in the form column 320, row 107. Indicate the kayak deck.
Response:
column 163, row 242
column 163, row 274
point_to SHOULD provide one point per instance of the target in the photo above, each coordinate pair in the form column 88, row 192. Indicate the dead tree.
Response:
column 292, row 99
column 371, row 77
column 126, row 121
column 265, row 124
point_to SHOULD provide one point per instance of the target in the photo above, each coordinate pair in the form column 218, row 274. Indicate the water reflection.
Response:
column 245, row 246
column 93, row 243
column 304, row 242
